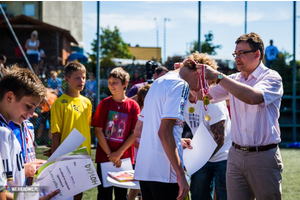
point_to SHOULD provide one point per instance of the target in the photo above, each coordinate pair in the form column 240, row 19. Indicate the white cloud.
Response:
column 234, row 17
column 124, row 23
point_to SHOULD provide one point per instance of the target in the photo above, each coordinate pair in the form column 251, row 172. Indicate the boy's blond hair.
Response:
column 121, row 74
column 53, row 73
column 22, row 82
column 73, row 67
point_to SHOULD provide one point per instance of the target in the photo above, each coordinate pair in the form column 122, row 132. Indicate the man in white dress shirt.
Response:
column 254, row 164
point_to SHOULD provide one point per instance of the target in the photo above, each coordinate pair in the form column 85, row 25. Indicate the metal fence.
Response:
column 55, row 46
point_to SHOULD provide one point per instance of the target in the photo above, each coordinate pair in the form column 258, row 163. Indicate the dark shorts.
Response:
column 152, row 190
column 33, row 58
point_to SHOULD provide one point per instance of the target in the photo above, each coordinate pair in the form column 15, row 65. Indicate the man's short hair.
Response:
column 160, row 69
column 73, row 67
column 254, row 41
column 22, row 82
column 121, row 74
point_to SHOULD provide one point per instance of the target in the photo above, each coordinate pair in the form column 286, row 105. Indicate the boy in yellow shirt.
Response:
column 72, row 110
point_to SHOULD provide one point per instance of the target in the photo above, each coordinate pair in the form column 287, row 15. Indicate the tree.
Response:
column 112, row 45
column 206, row 46
column 171, row 60
column 284, row 66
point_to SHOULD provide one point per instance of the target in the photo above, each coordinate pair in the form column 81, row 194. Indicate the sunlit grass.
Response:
column 291, row 174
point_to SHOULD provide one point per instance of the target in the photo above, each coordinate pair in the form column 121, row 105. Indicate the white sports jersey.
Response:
column 2, row 176
column 165, row 100
column 217, row 112
column 11, row 153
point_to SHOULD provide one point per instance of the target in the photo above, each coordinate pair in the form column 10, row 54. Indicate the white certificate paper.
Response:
column 203, row 147
column 72, row 142
column 109, row 167
column 72, row 173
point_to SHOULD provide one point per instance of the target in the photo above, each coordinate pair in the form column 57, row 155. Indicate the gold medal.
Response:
column 207, row 117
column 205, row 100
column 191, row 110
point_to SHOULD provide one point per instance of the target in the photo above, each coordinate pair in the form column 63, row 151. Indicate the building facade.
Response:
column 146, row 53
column 63, row 14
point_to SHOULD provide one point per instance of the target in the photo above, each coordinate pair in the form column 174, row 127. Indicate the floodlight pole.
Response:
column 157, row 44
column 98, row 55
column 245, row 17
column 165, row 37
column 199, row 26
column 294, row 75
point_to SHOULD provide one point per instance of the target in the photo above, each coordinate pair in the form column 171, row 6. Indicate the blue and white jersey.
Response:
column 11, row 153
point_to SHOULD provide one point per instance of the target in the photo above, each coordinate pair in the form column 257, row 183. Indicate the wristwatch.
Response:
column 220, row 77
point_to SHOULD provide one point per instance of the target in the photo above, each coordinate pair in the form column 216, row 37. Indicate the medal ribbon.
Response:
column 204, row 86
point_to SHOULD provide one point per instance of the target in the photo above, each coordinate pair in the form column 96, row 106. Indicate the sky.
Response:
column 225, row 19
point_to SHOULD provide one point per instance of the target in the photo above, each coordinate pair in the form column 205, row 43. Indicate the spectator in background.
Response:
column 2, row 66
column 55, row 83
column 90, row 89
column 137, row 78
column 271, row 53
column 159, row 71
column 45, row 107
column 41, row 58
column 32, row 46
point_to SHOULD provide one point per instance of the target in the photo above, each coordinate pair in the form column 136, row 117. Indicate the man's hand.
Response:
column 210, row 73
column 186, row 143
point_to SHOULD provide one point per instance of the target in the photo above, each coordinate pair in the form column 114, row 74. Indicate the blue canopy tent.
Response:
column 80, row 57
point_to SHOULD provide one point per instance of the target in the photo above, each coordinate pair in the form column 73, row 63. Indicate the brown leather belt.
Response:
column 251, row 149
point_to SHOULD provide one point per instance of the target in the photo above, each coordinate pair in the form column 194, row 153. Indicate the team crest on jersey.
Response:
column 116, row 117
column 64, row 101
column 76, row 107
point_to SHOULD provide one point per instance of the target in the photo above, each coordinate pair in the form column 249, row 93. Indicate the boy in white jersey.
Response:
column 159, row 166
column 213, row 173
column 20, row 93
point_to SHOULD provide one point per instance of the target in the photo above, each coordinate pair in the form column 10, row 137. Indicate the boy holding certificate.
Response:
column 21, row 91
column 114, row 122
column 72, row 110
